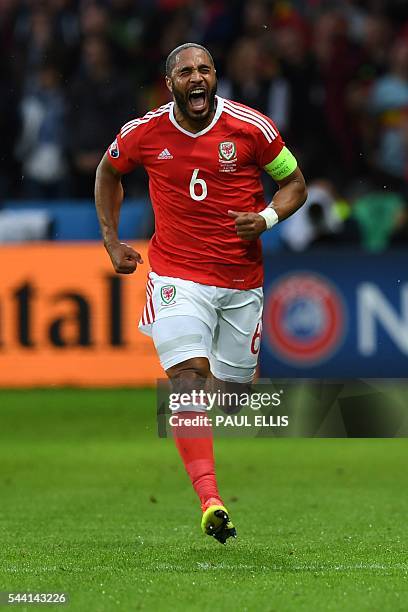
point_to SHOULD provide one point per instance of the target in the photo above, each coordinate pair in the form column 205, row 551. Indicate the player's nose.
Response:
column 196, row 76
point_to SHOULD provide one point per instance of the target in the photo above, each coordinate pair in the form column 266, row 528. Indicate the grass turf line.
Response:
column 94, row 504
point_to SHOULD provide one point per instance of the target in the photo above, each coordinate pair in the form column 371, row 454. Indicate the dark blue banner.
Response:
column 335, row 314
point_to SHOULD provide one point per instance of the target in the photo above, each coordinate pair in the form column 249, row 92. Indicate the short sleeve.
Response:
column 123, row 153
column 268, row 142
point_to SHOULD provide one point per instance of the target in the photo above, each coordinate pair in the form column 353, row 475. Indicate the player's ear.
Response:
column 169, row 85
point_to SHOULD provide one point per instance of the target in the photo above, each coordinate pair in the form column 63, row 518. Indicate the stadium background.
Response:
column 334, row 77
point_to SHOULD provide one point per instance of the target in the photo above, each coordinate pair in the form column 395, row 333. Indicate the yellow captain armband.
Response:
column 283, row 165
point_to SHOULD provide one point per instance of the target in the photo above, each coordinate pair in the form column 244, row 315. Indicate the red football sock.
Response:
column 195, row 445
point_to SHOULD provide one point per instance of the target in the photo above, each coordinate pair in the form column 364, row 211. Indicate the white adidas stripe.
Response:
column 253, row 113
column 138, row 122
column 243, row 112
column 149, row 114
column 131, row 125
column 249, row 120
column 133, row 121
column 149, row 312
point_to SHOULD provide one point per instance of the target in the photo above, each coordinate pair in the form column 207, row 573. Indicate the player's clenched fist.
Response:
column 124, row 258
column 249, row 226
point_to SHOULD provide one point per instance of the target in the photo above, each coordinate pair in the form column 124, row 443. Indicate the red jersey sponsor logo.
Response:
column 227, row 150
column 227, row 156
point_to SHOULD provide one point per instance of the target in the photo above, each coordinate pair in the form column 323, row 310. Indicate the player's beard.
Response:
column 182, row 100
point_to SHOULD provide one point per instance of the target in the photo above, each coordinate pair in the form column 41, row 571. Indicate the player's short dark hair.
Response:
column 171, row 58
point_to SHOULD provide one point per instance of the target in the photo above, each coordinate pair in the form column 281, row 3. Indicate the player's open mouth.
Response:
column 198, row 99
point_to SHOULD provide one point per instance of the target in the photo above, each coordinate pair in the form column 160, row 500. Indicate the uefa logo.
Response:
column 304, row 319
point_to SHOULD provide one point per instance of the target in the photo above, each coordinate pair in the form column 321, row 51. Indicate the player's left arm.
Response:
column 291, row 195
column 292, row 192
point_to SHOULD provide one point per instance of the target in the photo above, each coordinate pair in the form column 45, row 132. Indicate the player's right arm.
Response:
column 108, row 201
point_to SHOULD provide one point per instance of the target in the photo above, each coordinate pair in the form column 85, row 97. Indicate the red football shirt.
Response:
column 194, row 179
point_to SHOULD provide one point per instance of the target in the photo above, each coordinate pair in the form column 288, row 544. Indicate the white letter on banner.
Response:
column 372, row 308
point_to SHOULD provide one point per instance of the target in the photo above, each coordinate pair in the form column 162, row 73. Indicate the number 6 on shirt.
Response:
column 201, row 182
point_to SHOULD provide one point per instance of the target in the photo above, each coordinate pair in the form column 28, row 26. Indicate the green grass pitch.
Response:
column 94, row 504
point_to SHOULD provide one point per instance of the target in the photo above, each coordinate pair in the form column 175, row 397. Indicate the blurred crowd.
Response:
column 333, row 75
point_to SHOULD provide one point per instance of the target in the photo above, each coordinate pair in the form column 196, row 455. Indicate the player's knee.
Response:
column 188, row 377
column 195, row 368
column 232, row 394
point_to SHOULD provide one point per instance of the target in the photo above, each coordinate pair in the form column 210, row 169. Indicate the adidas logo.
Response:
column 165, row 154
